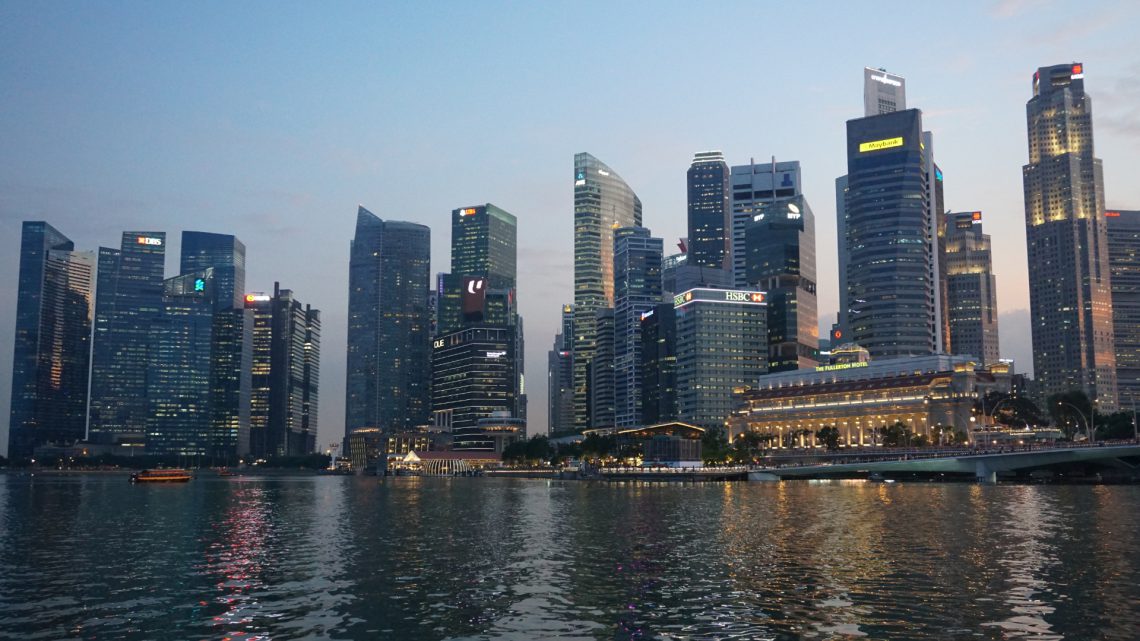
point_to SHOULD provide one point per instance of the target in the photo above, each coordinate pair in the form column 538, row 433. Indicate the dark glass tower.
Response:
column 780, row 243
column 1124, row 259
column 601, row 383
column 971, row 288
column 389, row 348
column 1070, row 296
column 483, row 245
column 52, row 347
column 474, row 373
column 710, row 214
column 659, row 365
column 286, row 358
column 560, row 376
column 225, row 254
column 198, row 375
column 753, row 185
column 603, row 202
column 637, row 288
column 128, row 301
column 891, row 269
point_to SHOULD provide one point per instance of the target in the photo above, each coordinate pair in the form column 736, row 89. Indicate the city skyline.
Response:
column 84, row 178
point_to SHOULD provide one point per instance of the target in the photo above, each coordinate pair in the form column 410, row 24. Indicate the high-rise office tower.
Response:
column 971, row 289
column 1124, row 261
column 601, row 381
column 225, row 254
column 286, row 369
column 474, row 375
column 710, row 213
column 603, row 202
column 560, row 376
column 659, row 365
column 483, row 244
column 1069, row 289
column 722, row 345
column 199, row 372
column 891, row 268
column 128, row 300
column 780, row 242
column 52, row 347
column 753, row 185
column 840, row 332
column 637, row 288
column 389, row 349
column 883, row 92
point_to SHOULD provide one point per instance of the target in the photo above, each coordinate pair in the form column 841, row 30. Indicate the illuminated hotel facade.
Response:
column 1065, row 227
column 857, row 398
column 603, row 202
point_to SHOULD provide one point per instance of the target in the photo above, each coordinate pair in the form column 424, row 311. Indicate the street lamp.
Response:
column 1088, row 424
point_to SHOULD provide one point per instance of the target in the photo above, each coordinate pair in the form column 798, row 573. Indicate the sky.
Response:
column 274, row 121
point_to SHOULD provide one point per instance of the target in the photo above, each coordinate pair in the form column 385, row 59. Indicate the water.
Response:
column 93, row 557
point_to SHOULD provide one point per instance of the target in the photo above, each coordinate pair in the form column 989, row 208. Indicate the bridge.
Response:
column 984, row 465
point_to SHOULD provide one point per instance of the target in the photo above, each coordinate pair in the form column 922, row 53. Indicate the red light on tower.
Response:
column 1112, row 214
column 1078, row 70
column 976, row 215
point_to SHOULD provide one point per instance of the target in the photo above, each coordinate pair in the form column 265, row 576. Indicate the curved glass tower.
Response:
column 603, row 202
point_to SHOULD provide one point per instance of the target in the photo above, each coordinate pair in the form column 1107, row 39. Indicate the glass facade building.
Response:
column 128, row 300
column 753, row 185
column 222, row 252
column 637, row 288
column 601, row 383
column 722, row 347
column 560, row 376
column 710, row 212
column 890, row 235
column 286, row 374
column 52, row 346
column 780, row 242
column 658, row 365
column 603, row 202
column 971, row 288
column 1070, row 296
column 198, row 373
column 1124, row 261
column 389, row 348
column 474, row 374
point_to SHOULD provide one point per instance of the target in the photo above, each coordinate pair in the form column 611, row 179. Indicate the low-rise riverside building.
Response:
column 857, row 398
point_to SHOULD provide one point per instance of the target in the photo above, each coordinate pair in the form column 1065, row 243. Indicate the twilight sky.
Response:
column 273, row 121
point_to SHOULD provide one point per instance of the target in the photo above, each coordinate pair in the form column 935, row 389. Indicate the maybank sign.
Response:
column 839, row 366
column 876, row 145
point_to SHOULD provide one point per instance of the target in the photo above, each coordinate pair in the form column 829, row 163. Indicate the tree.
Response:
column 897, row 435
column 1070, row 411
column 829, row 436
column 714, row 447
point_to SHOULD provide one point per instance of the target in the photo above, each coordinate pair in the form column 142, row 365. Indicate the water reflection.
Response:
column 424, row 558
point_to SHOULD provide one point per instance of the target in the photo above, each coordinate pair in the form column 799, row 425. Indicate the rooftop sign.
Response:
column 839, row 366
column 876, row 145
column 720, row 296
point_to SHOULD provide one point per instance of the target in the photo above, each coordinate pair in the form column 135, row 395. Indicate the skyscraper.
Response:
column 971, row 289
column 891, row 269
column 722, row 340
column 603, row 202
column 659, row 365
column 1124, row 260
column 560, row 376
column 474, row 374
column 752, row 185
column 199, row 365
column 128, row 300
column 883, row 92
column 52, row 347
column 637, row 288
column 389, row 349
column 286, row 368
column 1069, row 289
column 224, row 253
column 601, row 382
column 710, row 213
column 483, row 244
column 780, row 242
